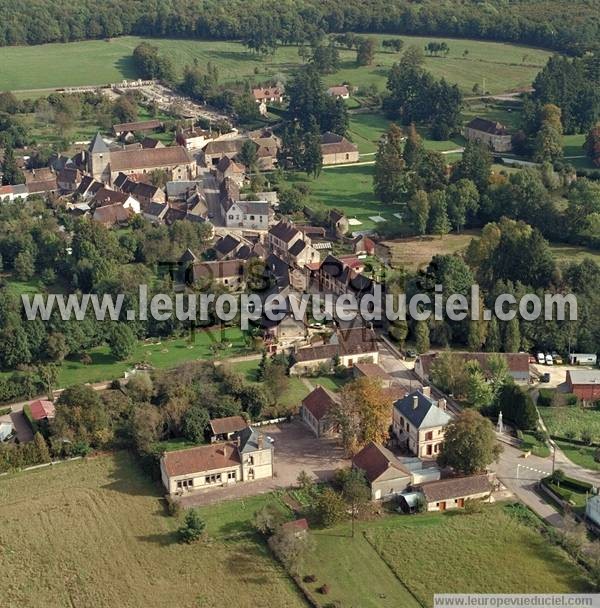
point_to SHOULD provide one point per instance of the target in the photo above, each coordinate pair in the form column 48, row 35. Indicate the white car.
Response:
column 541, row 359
column 549, row 360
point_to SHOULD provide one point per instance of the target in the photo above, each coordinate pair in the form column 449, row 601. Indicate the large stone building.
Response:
column 248, row 457
column 491, row 133
column 419, row 423
column 105, row 164
column 337, row 149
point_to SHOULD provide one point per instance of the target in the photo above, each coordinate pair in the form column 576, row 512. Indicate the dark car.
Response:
column 545, row 377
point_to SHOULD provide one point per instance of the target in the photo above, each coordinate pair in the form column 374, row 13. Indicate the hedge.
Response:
column 29, row 417
column 545, row 397
column 568, row 483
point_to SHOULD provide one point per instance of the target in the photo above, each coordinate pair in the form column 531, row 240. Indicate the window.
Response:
column 210, row 479
column 230, row 217
column 231, row 475
column 429, row 436
column 251, row 217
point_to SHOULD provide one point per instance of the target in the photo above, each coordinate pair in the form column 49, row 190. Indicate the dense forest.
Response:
column 567, row 26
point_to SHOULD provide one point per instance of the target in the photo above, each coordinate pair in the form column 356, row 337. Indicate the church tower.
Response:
column 99, row 160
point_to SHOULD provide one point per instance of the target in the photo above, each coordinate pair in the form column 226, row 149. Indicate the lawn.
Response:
column 365, row 130
column 292, row 396
column 95, row 533
column 489, row 552
column 500, row 67
column 166, row 354
column 354, row 572
column 349, row 189
column 561, row 420
column 535, row 446
column 581, row 455
column 414, row 253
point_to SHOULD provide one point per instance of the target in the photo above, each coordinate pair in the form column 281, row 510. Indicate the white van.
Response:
column 541, row 359
column 549, row 360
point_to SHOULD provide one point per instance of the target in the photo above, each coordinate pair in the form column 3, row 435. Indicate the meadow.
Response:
column 571, row 419
column 496, row 66
column 487, row 552
column 166, row 354
column 96, row 533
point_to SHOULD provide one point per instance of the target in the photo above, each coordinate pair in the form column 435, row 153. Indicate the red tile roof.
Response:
column 229, row 424
column 41, row 409
column 375, row 460
column 200, row 459
column 319, row 402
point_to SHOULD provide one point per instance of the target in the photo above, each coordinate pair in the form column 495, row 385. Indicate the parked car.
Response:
column 532, row 359
column 410, row 354
column 545, row 377
column 541, row 359
column 557, row 359
column 549, row 360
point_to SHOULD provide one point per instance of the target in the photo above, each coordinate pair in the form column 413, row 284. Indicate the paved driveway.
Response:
column 296, row 449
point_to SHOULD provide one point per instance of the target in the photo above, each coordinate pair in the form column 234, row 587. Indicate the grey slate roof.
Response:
column 249, row 440
column 98, row 146
column 585, row 376
column 426, row 415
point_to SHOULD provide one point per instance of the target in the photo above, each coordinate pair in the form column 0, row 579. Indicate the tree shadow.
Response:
column 126, row 67
column 162, row 540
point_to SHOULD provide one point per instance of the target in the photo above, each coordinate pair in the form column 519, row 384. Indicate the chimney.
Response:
column 415, row 402
column 426, row 390
column 442, row 404
column 260, row 442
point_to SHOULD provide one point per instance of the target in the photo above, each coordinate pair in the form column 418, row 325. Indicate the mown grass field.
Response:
column 489, row 552
column 166, row 354
column 95, row 533
column 503, row 67
column 414, row 253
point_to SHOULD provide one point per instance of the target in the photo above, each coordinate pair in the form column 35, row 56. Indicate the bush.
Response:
column 545, row 397
column 586, row 437
column 4, row 411
column 323, row 589
column 310, row 578
column 193, row 527
column 597, row 455
column 571, row 399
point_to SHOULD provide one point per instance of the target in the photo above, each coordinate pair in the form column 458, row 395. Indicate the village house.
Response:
column 343, row 276
column 268, row 94
column 490, row 133
column 517, row 363
column 68, row 179
column 248, row 457
column 584, row 383
column 363, row 245
column 106, row 196
column 251, row 215
column 341, row 91
column 229, row 273
column 223, row 429
column 338, row 222
column 346, row 347
column 141, row 191
column 315, row 409
column 267, row 151
column 105, row 164
column 112, row 215
column 149, row 142
column 419, row 423
column 229, row 168
column 154, row 212
column 373, row 370
column 217, row 149
column 336, row 149
column 127, row 131
column 383, row 471
column 194, row 139
column 11, row 193
column 453, row 492
column 41, row 181
column 288, row 243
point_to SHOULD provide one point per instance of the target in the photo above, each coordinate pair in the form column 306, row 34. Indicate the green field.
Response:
column 166, row 354
column 489, row 552
column 572, row 253
column 350, row 189
column 561, row 420
column 503, row 66
column 580, row 455
column 95, row 533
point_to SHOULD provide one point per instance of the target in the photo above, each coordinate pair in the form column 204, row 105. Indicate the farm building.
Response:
column 491, row 133
column 453, row 492
column 584, row 383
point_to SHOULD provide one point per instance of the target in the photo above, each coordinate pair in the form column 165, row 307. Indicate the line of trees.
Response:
column 262, row 26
